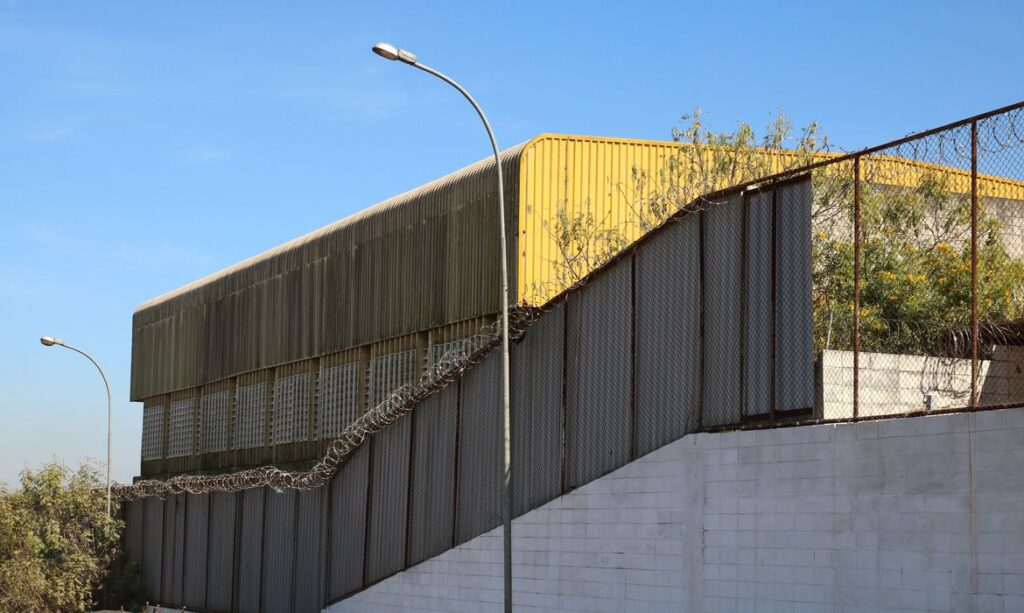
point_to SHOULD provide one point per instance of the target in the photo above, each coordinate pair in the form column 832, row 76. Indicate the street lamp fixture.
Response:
column 391, row 52
column 49, row 341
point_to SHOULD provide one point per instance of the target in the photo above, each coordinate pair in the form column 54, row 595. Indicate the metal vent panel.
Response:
column 180, row 431
column 153, row 432
column 291, row 409
column 337, row 399
column 214, row 411
column 249, row 411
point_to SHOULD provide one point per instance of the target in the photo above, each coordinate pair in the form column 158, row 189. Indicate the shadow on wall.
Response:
column 894, row 384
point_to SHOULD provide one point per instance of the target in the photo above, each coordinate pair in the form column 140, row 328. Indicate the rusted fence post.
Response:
column 974, row 264
column 856, row 287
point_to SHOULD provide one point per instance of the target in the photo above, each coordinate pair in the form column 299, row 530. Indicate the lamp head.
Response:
column 50, row 341
column 391, row 52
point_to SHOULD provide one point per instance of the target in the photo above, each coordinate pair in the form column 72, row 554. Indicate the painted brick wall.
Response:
column 921, row 514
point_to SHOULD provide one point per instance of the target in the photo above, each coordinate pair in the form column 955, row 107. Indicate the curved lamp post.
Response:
column 50, row 341
column 390, row 52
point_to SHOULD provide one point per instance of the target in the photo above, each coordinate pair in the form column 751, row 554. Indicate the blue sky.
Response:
column 143, row 145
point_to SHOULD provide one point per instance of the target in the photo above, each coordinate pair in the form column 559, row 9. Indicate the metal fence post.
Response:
column 974, row 264
column 856, row 287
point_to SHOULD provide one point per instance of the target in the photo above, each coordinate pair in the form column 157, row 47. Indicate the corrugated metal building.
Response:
column 267, row 360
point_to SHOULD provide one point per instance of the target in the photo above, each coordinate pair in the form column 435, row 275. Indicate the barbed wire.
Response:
column 449, row 367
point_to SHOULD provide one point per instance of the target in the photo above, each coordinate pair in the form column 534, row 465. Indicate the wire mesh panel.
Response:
column 337, row 399
column 173, row 550
column 291, row 409
column 249, row 411
column 214, row 411
column 278, row 550
column 195, row 552
column 152, row 432
column 723, row 315
column 1000, row 259
column 348, row 525
column 536, row 365
column 598, row 377
column 134, row 524
column 915, row 274
column 221, row 560
column 758, row 245
column 794, row 309
column 433, row 475
column 309, row 558
column 180, row 430
column 250, row 550
column 668, row 335
column 385, row 550
column 481, row 439
column 833, row 257
column 153, row 540
column 388, row 373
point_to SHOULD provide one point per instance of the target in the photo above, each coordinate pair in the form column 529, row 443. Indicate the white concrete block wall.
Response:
column 893, row 384
column 920, row 514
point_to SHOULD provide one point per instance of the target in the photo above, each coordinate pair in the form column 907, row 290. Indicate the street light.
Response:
column 50, row 341
column 390, row 52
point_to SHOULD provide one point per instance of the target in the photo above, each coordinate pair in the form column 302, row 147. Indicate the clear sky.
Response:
column 143, row 145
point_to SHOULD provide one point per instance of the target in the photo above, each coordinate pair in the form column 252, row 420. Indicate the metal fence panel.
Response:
column 757, row 302
column 153, row 540
column 194, row 556
column 309, row 558
column 278, row 550
column 794, row 315
column 668, row 335
column 390, row 488
column 478, row 507
column 134, row 513
column 348, row 525
column 174, row 545
column 250, row 550
column 723, row 290
column 536, row 363
column 598, row 377
column 221, row 560
column 433, row 475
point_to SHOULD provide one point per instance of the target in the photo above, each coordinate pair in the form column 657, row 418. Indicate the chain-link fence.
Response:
column 886, row 282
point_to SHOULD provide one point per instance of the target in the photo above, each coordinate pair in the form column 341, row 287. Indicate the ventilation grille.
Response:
column 338, row 401
column 249, row 425
column 153, row 432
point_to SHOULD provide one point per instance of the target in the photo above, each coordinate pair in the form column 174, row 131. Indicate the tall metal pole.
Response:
column 49, row 342
column 391, row 53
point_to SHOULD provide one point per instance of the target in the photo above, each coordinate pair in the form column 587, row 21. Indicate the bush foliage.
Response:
column 56, row 540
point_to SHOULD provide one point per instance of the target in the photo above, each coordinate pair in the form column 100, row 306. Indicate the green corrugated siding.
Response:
column 420, row 260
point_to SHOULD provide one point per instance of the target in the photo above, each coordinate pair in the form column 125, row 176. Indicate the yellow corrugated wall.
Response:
column 597, row 175
column 583, row 174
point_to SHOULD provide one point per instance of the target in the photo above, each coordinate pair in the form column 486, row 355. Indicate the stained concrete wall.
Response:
column 892, row 384
column 918, row 514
